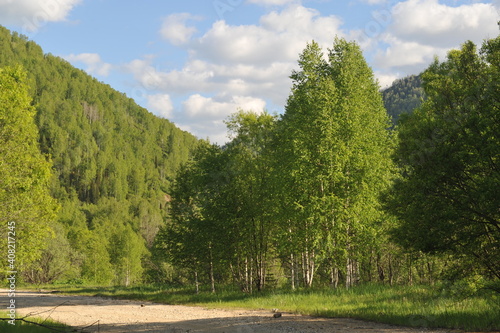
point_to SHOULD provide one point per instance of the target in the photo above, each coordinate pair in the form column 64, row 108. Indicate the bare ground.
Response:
column 113, row 316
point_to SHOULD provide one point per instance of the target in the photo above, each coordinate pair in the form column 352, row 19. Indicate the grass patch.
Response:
column 23, row 327
column 415, row 306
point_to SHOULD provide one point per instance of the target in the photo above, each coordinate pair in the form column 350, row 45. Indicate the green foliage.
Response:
column 223, row 194
column 448, row 197
column 113, row 163
column 24, row 172
column 292, row 194
column 336, row 158
column 403, row 96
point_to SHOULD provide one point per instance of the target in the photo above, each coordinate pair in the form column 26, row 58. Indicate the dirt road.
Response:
column 113, row 316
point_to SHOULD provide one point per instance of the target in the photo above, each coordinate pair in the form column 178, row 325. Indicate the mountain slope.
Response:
column 113, row 162
column 403, row 96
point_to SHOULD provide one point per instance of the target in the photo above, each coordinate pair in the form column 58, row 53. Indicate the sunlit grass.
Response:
column 417, row 306
column 23, row 327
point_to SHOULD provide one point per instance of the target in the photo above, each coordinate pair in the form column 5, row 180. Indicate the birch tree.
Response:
column 336, row 153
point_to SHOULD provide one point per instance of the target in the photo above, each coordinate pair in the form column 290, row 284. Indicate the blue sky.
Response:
column 196, row 62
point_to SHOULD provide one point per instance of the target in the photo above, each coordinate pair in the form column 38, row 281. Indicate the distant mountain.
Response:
column 403, row 96
column 113, row 162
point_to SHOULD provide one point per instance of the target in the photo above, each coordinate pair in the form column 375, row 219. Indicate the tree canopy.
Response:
column 295, row 195
column 448, row 196
column 26, row 205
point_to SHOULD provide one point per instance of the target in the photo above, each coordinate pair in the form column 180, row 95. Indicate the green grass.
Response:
column 23, row 327
column 417, row 306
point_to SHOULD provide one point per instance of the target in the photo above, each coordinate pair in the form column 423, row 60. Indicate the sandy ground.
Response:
column 108, row 315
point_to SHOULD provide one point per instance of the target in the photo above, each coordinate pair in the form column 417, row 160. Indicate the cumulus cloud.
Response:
column 194, row 76
column 407, row 55
column 419, row 30
column 246, row 66
column 386, row 79
column 161, row 105
column 496, row 3
column 92, row 61
column 279, row 36
column 175, row 30
column 204, row 116
column 429, row 22
column 31, row 15
column 243, row 60
column 240, row 66
column 200, row 107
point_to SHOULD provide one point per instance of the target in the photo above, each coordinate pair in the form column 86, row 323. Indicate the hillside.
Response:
column 113, row 163
column 403, row 96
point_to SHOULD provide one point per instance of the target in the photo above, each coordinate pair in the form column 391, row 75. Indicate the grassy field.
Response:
column 416, row 306
column 23, row 327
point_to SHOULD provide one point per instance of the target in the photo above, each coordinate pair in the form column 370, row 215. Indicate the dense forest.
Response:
column 112, row 167
column 403, row 96
column 328, row 193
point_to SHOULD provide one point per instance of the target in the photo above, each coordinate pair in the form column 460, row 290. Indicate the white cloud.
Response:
column 280, row 36
column 93, row 61
column 200, row 107
column 243, row 66
column 175, row 30
column 406, row 54
column 31, row 15
column 419, row 30
column 204, row 116
column 253, row 60
column 247, row 66
column 194, row 76
column 386, row 79
column 430, row 23
column 161, row 105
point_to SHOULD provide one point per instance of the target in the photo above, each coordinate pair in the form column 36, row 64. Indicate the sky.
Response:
column 195, row 62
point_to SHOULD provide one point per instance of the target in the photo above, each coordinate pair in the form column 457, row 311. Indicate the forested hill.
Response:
column 113, row 162
column 403, row 96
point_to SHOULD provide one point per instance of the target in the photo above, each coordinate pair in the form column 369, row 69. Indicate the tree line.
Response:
column 331, row 193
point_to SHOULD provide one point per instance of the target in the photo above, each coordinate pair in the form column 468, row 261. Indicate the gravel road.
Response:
column 113, row 316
